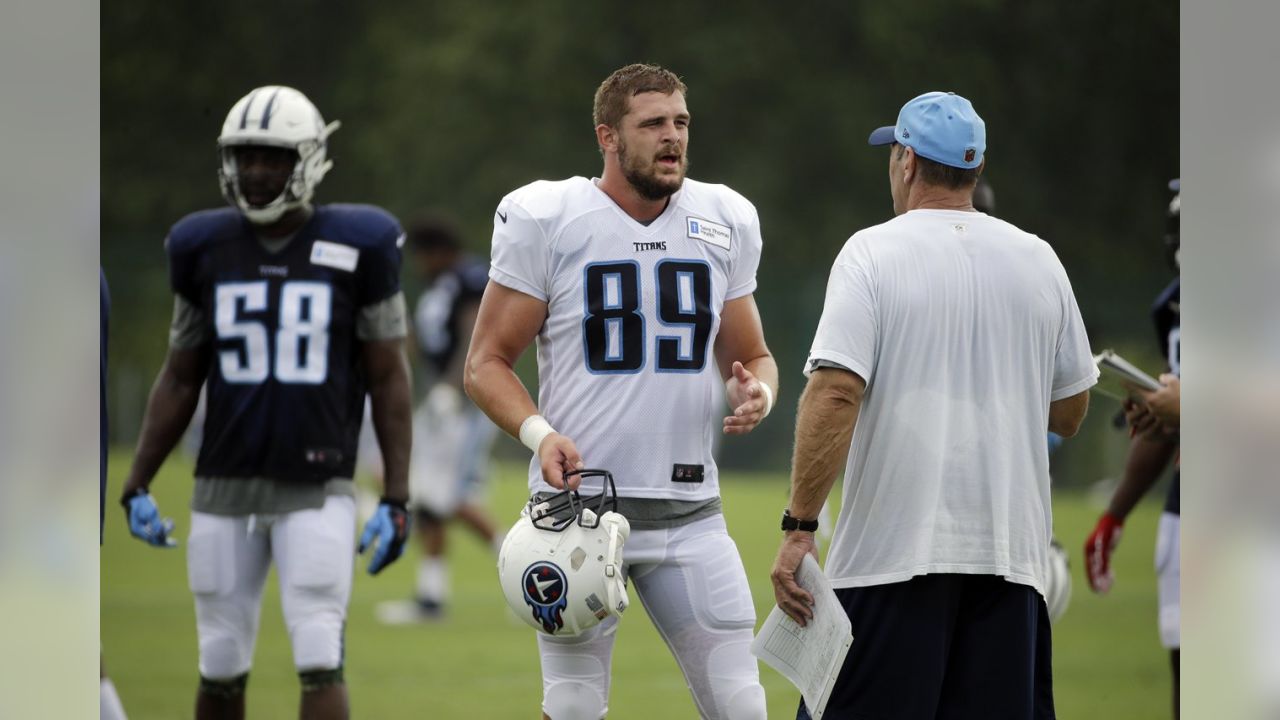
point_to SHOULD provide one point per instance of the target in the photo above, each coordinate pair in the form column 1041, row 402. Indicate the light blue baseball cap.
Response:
column 940, row 126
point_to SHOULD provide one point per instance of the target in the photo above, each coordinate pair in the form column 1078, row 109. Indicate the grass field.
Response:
column 481, row 663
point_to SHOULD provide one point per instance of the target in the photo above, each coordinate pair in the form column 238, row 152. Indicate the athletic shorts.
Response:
column 944, row 647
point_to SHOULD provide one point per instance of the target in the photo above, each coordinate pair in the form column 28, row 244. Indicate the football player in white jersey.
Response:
column 637, row 287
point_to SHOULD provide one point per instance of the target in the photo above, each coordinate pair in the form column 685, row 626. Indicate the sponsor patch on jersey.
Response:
column 334, row 255
column 714, row 233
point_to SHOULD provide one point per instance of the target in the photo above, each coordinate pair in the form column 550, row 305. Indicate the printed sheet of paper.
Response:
column 810, row 657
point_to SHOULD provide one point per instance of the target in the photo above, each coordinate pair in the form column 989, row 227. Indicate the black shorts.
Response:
column 950, row 647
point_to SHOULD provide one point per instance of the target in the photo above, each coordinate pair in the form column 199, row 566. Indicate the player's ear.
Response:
column 606, row 138
column 908, row 164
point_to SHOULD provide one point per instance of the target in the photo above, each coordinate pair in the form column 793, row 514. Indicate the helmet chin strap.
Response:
column 295, row 194
column 263, row 215
column 272, row 213
column 615, row 586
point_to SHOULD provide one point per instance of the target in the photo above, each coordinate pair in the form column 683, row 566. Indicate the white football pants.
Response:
column 227, row 562
column 1169, row 579
column 694, row 588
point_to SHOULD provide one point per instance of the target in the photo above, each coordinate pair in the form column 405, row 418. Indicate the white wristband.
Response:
column 534, row 430
column 768, row 398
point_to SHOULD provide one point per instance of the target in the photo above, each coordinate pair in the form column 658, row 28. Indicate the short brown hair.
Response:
column 432, row 230
column 947, row 176
column 614, row 94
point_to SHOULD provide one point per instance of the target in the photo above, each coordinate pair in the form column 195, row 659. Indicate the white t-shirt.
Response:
column 965, row 329
column 626, row 365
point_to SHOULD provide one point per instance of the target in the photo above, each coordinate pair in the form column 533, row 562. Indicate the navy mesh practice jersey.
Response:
column 439, row 309
column 286, row 384
column 1168, row 320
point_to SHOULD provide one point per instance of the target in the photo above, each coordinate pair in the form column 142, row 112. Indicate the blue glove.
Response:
column 389, row 526
column 144, row 520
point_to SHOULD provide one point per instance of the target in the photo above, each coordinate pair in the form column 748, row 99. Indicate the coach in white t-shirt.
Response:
column 949, row 342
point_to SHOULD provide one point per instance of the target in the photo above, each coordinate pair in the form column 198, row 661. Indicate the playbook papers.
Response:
column 810, row 657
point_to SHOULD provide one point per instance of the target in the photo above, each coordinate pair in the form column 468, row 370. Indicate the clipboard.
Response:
column 810, row 657
column 1116, row 374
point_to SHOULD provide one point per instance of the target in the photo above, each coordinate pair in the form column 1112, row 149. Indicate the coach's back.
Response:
column 965, row 329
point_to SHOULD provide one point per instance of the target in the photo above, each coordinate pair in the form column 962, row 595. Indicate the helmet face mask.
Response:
column 561, row 564
column 274, row 117
column 562, row 510
column 261, row 175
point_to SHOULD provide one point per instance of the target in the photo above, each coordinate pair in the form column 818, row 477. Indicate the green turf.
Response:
column 480, row 663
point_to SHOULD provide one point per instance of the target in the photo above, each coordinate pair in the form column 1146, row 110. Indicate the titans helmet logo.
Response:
column 546, row 591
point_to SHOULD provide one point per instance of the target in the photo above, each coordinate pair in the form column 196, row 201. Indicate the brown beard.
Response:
column 644, row 177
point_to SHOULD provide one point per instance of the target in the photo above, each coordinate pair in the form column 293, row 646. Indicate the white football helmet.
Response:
column 561, row 564
column 1057, row 587
column 275, row 116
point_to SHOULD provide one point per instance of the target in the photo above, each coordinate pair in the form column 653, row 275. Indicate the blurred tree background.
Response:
column 452, row 104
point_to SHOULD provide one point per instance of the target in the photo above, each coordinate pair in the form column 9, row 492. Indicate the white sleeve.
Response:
column 423, row 327
column 1073, row 368
column 521, row 252
column 847, row 332
column 743, row 279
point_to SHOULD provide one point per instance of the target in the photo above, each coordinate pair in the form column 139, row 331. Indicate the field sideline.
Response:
column 482, row 663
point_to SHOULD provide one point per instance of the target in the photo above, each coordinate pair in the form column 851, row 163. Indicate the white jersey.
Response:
column 965, row 329
column 626, row 366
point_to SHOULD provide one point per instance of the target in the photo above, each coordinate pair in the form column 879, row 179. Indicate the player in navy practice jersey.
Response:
column 289, row 314
column 1155, row 443
column 452, row 436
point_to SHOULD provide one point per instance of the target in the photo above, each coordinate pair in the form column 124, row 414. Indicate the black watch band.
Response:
column 791, row 523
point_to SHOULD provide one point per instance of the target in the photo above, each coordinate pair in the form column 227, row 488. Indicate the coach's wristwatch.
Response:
column 791, row 523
